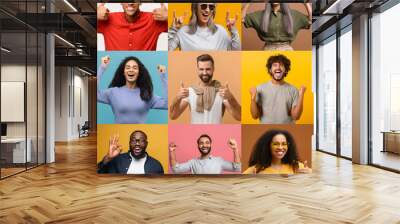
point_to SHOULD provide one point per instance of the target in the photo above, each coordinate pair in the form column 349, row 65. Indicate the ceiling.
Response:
column 23, row 23
column 330, row 15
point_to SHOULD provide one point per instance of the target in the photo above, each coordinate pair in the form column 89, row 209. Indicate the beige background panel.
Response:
column 182, row 67
column 250, row 40
column 301, row 133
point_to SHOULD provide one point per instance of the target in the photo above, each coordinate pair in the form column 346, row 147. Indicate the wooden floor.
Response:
column 70, row 191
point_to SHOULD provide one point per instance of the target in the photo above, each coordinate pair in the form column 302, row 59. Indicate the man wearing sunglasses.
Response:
column 135, row 161
column 202, row 33
column 131, row 29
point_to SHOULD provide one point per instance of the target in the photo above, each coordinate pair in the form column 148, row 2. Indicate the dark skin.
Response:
column 137, row 146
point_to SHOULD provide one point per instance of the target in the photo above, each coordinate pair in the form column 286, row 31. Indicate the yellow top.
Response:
column 285, row 169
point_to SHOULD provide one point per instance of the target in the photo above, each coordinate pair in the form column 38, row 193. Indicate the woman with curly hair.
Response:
column 130, row 93
column 275, row 153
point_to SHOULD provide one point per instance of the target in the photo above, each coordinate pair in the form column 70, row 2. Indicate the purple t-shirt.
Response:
column 126, row 104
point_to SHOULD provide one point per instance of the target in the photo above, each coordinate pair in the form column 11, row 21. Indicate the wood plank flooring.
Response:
column 70, row 191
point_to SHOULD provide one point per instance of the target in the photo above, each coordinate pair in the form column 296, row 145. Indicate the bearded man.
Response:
column 135, row 161
column 206, row 163
column 208, row 100
column 276, row 101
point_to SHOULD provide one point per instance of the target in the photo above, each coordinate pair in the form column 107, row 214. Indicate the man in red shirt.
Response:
column 131, row 29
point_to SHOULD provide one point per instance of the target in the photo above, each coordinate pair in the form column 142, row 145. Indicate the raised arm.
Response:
column 102, row 95
column 235, row 165
column 297, row 110
column 309, row 11
column 235, row 38
column 177, row 167
column 173, row 40
column 179, row 104
column 230, row 102
column 244, row 11
column 106, row 165
column 157, row 101
column 255, row 109
column 102, row 12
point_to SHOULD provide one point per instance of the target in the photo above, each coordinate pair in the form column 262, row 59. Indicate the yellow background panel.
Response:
column 157, row 137
column 222, row 9
column 254, row 73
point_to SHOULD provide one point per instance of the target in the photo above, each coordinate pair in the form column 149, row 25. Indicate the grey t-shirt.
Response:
column 210, row 165
column 276, row 102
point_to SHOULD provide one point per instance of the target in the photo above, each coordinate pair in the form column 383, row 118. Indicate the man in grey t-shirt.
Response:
column 206, row 163
column 276, row 101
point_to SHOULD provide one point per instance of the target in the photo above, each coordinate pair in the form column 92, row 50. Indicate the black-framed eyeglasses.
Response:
column 205, row 6
column 140, row 141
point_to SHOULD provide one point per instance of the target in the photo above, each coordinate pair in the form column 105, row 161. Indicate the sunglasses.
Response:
column 205, row 6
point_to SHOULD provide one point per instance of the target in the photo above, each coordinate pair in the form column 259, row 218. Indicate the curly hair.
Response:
column 280, row 58
column 143, row 81
column 261, row 156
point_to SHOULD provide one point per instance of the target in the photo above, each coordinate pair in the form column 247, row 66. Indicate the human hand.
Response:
column 230, row 22
column 114, row 147
column 232, row 143
column 172, row 147
column 306, row 169
column 302, row 90
column 160, row 14
column 177, row 22
column 102, row 12
column 105, row 61
column 225, row 93
column 183, row 92
column 162, row 69
column 253, row 93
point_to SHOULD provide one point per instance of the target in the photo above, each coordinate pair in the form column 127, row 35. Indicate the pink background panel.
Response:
column 185, row 137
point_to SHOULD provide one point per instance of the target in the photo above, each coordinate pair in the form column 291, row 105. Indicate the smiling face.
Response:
column 131, row 71
column 277, row 71
column 205, row 71
column 138, row 144
column 279, row 147
column 204, row 146
column 204, row 13
column 130, row 9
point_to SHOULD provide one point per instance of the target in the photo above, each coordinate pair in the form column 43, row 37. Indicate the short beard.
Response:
column 209, row 77
column 204, row 154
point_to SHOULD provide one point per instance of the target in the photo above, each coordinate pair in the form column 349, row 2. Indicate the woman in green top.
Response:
column 277, row 25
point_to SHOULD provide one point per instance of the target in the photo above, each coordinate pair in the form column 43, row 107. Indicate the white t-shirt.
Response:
column 137, row 165
column 213, row 116
column 203, row 39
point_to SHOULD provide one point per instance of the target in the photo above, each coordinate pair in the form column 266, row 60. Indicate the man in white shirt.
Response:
column 208, row 100
column 206, row 163
column 136, row 161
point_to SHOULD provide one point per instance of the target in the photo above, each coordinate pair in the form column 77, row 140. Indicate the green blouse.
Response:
column 276, row 30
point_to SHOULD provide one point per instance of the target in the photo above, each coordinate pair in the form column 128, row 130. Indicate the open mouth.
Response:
column 137, row 150
column 280, row 153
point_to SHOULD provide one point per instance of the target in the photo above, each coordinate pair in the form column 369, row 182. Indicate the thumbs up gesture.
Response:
column 102, row 12
column 177, row 22
column 183, row 92
column 161, row 14
column 230, row 22
column 224, row 92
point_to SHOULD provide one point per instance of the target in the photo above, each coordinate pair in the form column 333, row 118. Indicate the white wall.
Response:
column 67, row 114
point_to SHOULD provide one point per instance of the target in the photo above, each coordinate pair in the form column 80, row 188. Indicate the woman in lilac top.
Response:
column 130, row 93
